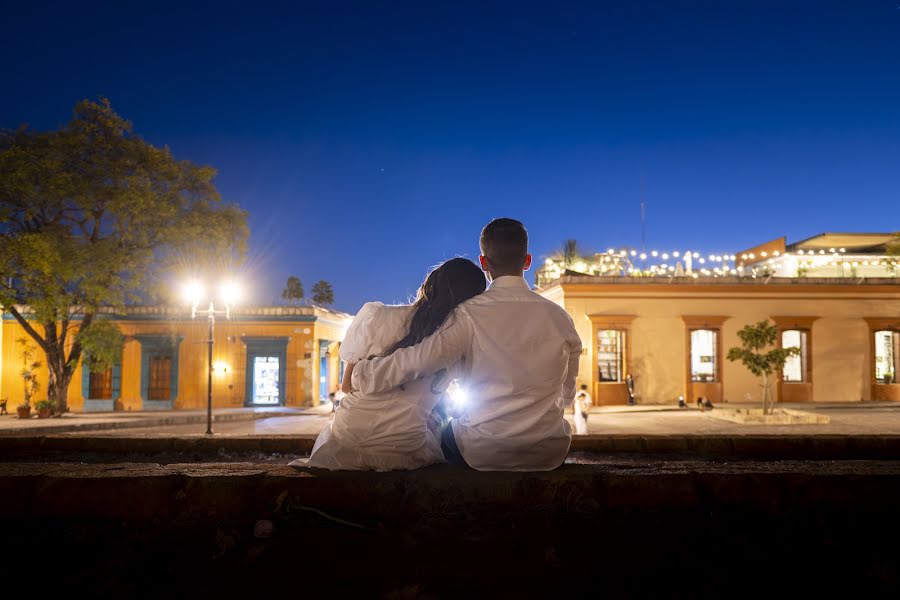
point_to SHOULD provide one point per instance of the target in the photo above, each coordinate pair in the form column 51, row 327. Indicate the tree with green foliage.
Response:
column 93, row 217
column 322, row 293
column 102, row 343
column 293, row 291
column 758, row 355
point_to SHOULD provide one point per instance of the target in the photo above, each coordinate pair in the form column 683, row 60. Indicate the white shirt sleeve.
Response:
column 567, row 395
column 438, row 351
column 358, row 338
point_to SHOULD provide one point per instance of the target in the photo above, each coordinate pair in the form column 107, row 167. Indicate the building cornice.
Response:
column 292, row 314
column 704, row 321
column 722, row 286
column 611, row 321
column 876, row 323
column 794, row 322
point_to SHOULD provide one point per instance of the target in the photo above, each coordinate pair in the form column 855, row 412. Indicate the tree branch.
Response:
column 98, row 218
column 63, row 331
column 75, row 353
column 28, row 328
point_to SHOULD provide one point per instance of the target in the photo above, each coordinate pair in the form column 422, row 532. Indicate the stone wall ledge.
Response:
column 199, row 447
column 142, row 491
column 631, row 526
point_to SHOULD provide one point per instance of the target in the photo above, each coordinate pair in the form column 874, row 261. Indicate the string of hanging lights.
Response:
column 628, row 262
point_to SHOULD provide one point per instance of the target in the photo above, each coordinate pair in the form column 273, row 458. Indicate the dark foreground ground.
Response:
column 622, row 526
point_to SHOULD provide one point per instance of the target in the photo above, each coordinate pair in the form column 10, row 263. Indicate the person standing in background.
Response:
column 629, row 383
column 582, row 407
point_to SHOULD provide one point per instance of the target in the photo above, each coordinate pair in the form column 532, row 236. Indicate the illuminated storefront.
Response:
column 670, row 324
column 263, row 356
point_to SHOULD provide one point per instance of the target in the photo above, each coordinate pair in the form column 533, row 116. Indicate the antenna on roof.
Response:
column 643, row 218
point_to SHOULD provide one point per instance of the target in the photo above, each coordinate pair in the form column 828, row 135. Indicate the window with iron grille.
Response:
column 101, row 385
column 160, row 378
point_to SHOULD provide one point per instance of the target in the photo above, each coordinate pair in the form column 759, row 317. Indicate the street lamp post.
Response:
column 195, row 294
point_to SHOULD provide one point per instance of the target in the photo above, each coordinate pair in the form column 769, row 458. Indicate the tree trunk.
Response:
column 63, row 366
column 60, row 367
column 765, row 394
column 58, row 381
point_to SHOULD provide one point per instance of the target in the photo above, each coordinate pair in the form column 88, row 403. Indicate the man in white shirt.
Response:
column 520, row 354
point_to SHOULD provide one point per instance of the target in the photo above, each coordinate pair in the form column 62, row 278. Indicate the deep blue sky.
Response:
column 371, row 140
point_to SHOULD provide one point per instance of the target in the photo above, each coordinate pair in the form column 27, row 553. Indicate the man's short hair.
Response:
column 504, row 242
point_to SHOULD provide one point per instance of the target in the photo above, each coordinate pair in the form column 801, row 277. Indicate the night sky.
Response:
column 372, row 140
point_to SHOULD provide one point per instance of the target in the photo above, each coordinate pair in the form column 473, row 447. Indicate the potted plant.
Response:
column 29, row 376
column 888, row 377
column 44, row 409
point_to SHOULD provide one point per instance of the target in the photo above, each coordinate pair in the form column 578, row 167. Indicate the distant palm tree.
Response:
column 569, row 252
column 293, row 291
column 322, row 293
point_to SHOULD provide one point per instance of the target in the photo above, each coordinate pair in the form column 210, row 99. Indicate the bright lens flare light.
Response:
column 230, row 292
column 459, row 396
column 193, row 292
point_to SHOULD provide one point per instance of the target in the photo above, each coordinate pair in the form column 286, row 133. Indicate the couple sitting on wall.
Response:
column 513, row 352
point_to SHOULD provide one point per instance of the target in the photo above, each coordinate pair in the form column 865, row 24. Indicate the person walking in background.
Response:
column 582, row 407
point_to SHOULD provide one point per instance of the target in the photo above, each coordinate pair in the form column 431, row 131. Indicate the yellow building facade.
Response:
column 672, row 335
column 262, row 356
column 668, row 318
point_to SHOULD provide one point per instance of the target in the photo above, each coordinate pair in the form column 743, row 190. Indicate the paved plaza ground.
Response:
column 846, row 419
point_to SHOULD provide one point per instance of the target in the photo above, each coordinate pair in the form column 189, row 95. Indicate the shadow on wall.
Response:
column 840, row 360
column 654, row 379
column 657, row 359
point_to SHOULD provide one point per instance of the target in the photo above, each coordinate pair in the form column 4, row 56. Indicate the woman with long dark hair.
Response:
column 390, row 430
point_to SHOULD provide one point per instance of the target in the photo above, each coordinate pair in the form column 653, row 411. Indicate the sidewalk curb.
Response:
column 185, row 448
column 135, row 422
